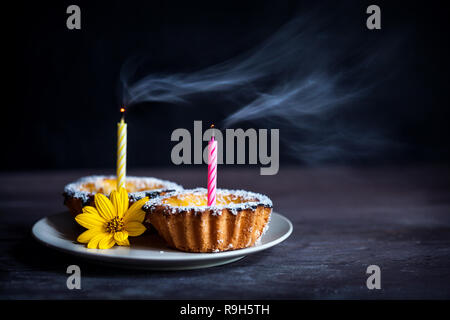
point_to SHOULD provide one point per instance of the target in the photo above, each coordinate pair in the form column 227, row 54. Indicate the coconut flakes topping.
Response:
column 250, row 200
column 74, row 189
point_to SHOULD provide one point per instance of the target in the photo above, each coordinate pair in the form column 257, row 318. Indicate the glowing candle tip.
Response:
column 212, row 136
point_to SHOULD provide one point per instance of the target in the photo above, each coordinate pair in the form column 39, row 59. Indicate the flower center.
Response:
column 115, row 225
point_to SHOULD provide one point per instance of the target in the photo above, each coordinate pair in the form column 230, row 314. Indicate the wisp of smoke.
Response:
column 298, row 80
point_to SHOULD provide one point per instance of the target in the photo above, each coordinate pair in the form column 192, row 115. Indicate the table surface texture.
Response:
column 344, row 219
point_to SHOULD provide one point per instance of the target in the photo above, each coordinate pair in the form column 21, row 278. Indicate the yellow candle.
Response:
column 121, row 151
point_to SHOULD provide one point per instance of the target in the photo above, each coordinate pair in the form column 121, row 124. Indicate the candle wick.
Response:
column 212, row 135
column 122, row 112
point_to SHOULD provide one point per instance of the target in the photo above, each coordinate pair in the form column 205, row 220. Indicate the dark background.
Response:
column 62, row 109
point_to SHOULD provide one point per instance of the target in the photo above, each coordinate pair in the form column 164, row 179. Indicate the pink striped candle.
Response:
column 212, row 171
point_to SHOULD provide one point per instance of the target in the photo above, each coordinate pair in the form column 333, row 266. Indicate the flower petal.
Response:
column 119, row 200
column 86, row 236
column 93, row 243
column 104, row 206
column 120, row 236
column 126, row 242
column 135, row 228
column 90, row 210
column 135, row 213
column 107, row 242
column 90, row 221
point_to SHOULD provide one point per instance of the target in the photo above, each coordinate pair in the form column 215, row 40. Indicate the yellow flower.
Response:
column 111, row 221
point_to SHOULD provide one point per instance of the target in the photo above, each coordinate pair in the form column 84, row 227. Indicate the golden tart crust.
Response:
column 81, row 192
column 186, row 223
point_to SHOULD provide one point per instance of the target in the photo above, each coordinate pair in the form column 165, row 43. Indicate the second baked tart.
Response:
column 81, row 192
column 185, row 221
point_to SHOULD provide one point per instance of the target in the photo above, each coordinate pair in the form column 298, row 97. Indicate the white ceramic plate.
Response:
column 149, row 251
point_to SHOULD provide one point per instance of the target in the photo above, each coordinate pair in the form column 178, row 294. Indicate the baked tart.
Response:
column 81, row 192
column 183, row 219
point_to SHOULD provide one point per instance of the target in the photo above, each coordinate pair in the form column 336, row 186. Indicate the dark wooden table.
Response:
column 345, row 219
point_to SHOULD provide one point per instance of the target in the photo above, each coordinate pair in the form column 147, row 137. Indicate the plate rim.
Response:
column 190, row 256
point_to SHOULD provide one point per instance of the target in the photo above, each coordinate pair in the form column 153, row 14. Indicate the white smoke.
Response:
column 299, row 80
